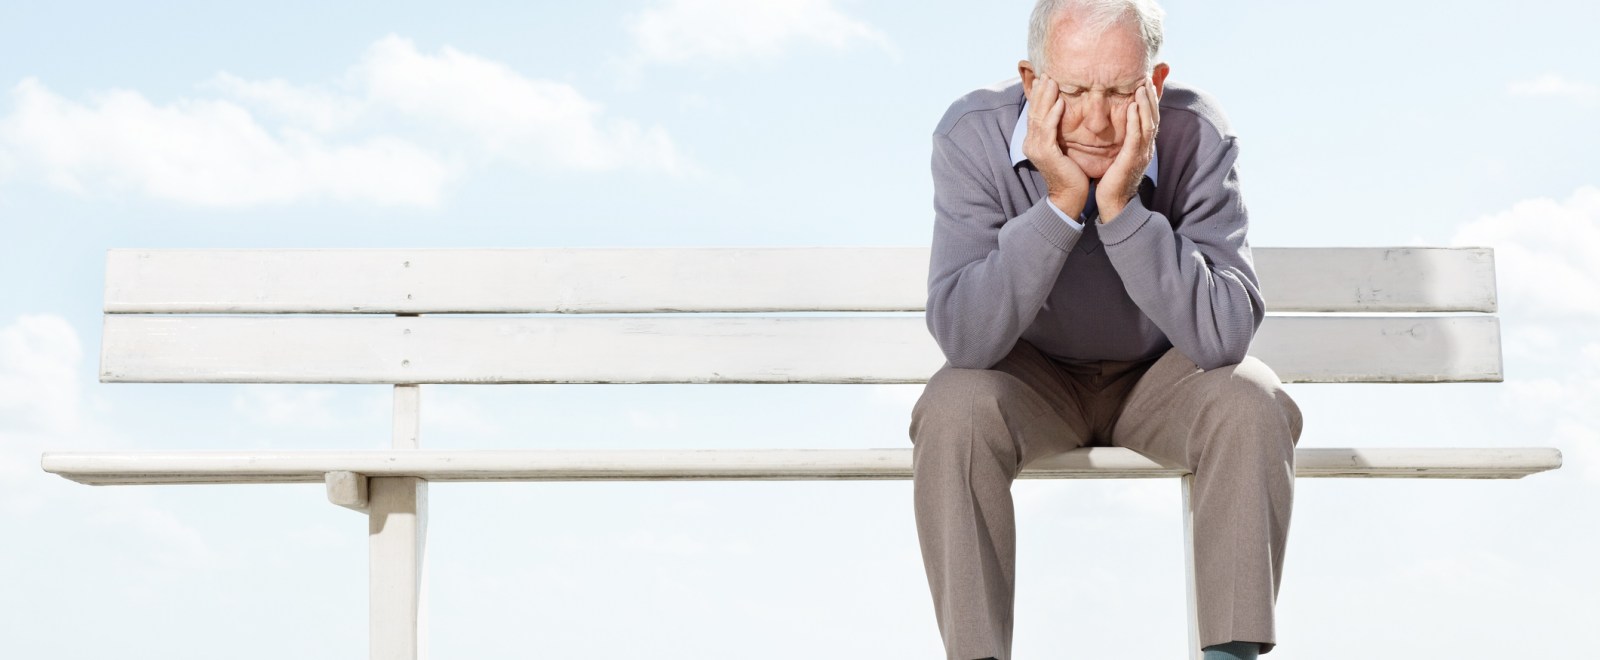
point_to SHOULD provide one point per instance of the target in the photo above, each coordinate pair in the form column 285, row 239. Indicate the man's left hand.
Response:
column 1122, row 179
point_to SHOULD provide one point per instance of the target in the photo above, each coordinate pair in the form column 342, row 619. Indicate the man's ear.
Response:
column 1025, row 69
column 1158, row 77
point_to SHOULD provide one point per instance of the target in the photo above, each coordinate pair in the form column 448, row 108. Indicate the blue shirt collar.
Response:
column 1020, row 133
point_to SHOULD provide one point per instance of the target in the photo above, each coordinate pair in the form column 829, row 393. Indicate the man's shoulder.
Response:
column 996, row 105
column 1194, row 112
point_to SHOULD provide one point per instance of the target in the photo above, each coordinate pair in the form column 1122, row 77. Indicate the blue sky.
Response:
column 720, row 123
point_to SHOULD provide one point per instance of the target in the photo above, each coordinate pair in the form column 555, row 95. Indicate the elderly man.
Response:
column 1091, row 285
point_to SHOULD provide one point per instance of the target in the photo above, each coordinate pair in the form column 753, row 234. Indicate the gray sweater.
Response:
column 1173, row 269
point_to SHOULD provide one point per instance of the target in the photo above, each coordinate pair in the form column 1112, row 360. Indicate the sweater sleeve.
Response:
column 989, row 274
column 1196, row 283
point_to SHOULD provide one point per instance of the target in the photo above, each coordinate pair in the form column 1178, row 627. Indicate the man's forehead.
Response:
column 1123, row 83
column 1084, row 54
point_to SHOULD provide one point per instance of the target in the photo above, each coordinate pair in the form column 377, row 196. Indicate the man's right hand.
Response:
column 1068, row 186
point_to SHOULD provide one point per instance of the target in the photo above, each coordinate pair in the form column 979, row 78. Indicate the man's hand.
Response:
column 1122, row 179
column 1065, row 182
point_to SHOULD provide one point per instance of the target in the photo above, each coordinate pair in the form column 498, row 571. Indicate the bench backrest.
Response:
column 708, row 315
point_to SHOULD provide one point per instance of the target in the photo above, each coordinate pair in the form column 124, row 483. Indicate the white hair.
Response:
column 1095, row 15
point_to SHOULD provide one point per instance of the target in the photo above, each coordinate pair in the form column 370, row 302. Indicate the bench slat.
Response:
column 540, row 280
column 700, row 349
column 726, row 464
column 706, row 350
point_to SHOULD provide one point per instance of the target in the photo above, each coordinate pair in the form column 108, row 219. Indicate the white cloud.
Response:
column 273, row 141
column 537, row 122
column 206, row 152
column 41, row 410
column 39, row 357
column 1547, row 254
column 1547, row 259
column 680, row 31
column 318, row 109
column 1551, row 84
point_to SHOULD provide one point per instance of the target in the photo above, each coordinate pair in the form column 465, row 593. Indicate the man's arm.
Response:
column 989, row 275
column 1198, row 283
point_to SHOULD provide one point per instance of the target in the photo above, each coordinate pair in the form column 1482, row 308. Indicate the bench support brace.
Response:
column 347, row 489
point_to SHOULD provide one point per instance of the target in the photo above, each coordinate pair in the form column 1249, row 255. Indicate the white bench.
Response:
column 370, row 316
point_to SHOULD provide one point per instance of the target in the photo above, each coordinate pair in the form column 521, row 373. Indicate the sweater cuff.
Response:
column 1042, row 219
column 1063, row 215
column 1133, row 217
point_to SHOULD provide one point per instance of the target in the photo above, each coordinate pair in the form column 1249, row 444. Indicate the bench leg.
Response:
column 1187, row 484
column 397, row 531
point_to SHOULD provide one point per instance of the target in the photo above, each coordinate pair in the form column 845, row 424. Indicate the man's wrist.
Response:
column 1075, row 223
column 1071, row 207
column 1109, row 210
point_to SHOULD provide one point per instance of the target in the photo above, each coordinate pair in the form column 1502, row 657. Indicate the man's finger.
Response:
column 1146, row 114
column 1051, row 127
column 1155, row 107
column 1036, row 112
column 1134, row 134
column 1038, row 103
column 1130, row 142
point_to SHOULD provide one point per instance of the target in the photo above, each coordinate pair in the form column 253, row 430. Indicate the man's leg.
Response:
column 972, row 431
column 1236, row 429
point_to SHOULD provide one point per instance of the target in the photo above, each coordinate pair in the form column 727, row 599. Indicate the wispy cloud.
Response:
column 39, row 390
column 724, row 31
column 320, row 109
column 396, row 129
column 41, row 409
column 1555, row 85
column 1547, row 255
column 536, row 122
column 206, row 152
column 1547, row 252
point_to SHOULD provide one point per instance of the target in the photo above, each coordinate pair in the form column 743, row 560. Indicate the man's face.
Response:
column 1098, row 71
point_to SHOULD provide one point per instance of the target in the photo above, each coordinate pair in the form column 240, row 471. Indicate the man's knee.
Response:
column 960, row 407
column 1250, row 391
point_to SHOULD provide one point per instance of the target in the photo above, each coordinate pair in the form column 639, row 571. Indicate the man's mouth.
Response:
column 1093, row 150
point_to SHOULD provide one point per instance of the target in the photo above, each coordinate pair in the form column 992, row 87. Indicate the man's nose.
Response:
column 1097, row 117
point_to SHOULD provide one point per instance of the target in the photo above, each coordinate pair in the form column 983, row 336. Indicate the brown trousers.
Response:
column 974, row 429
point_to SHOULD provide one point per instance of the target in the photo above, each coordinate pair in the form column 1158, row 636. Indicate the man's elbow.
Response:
column 965, row 361
column 964, row 347
column 1229, row 343
column 968, row 355
column 1222, row 355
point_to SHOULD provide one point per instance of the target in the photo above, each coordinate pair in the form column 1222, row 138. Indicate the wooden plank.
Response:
column 1366, row 349
column 701, row 349
column 704, row 279
column 432, row 281
column 742, row 464
column 1398, row 279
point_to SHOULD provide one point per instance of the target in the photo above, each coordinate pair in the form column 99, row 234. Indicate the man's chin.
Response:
column 1093, row 167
